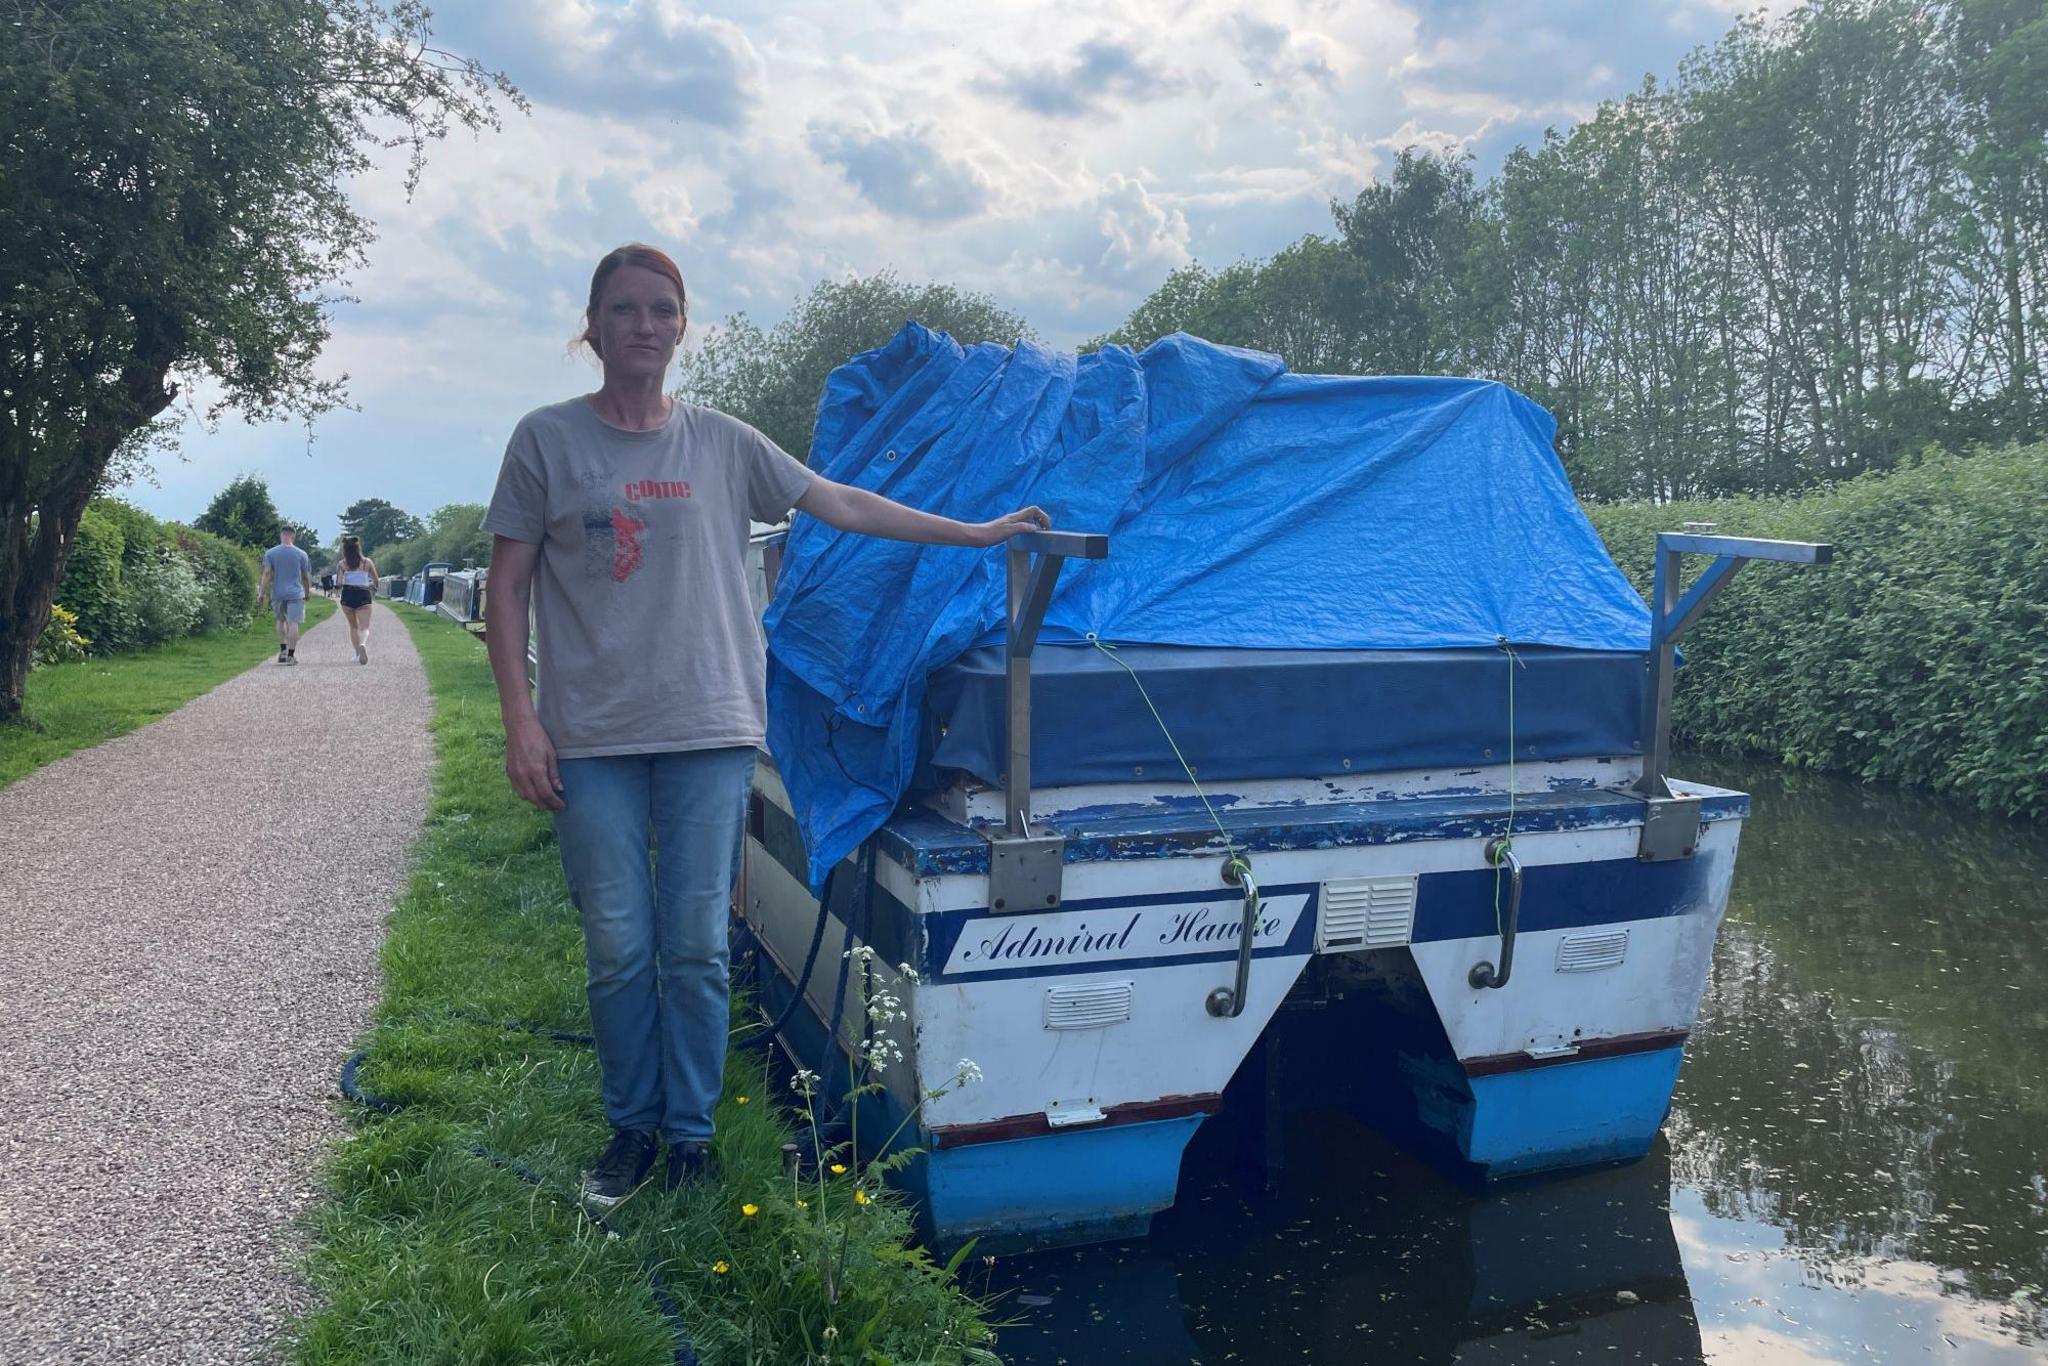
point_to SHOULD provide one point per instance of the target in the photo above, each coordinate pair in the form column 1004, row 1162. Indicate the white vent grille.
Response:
column 1592, row 952
column 1365, row 913
column 1087, row 1007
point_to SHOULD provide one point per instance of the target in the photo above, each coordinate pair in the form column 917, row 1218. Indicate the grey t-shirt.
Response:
column 286, row 563
column 648, row 640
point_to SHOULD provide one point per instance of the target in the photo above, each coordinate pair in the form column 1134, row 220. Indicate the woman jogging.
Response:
column 358, row 580
column 622, row 517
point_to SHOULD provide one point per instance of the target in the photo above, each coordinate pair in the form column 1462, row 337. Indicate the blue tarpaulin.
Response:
column 1247, row 507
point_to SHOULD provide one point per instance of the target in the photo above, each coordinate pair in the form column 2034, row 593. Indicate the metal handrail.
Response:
column 1671, row 615
column 1672, row 824
column 1035, row 561
column 1026, row 866
column 1500, row 852
column 1227, row 1003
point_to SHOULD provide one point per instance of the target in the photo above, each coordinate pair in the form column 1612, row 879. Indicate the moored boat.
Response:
column 1353, row 773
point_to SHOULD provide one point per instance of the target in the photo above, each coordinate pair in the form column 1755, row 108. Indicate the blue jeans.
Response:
column 648, row 848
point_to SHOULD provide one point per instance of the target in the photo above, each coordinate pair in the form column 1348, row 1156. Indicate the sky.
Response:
column 1061, row 156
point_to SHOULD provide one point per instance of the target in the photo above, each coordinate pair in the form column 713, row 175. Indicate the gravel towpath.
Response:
column 190, row 919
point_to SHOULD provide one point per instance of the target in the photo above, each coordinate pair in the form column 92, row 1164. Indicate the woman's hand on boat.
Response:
column 530, row 764
column 1032, row 518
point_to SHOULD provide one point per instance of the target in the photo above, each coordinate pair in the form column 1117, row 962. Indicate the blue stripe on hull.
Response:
column 1073, row 1186
column 1568, row 1114
column 1564, row 896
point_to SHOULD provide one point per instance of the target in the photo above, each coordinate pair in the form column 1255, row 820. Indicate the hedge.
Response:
column 133, row 581
column 1919, row 656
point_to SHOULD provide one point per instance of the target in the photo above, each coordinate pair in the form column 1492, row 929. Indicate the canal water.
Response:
column 1855, row 1168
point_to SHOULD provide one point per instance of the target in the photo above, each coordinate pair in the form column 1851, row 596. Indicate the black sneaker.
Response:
column 689, row 1161
column 626, row 1161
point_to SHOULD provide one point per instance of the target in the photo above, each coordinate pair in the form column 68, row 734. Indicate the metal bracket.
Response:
column 1026, row 865
column 1025, row 872
column 1061, row 1114
column 1671, row 829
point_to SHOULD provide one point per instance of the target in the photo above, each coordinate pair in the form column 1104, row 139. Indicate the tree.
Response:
column 379, row 523
column 1304, row 303
column 243, row 513
column 773, row 379
column 175, row 211
column 1411, row 233
column 456, row 535
column 2000, row 52
column 308, row 540
column 400, row 557
column 1816, row 252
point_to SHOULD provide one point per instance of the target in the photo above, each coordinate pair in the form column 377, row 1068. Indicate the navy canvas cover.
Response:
column 1247, row 507
column 1246, row 714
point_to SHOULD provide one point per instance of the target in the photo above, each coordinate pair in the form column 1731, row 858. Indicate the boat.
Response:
column 1389, row 822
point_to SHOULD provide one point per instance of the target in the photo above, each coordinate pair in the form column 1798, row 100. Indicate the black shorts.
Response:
column 354, row 596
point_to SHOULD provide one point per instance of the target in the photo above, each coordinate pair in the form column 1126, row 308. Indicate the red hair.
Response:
column 632, row 254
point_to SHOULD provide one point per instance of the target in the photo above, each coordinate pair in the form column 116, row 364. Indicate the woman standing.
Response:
column 622, row 518
column 358, row 580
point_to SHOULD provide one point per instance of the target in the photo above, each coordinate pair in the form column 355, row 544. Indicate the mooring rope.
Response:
column 1230, row 844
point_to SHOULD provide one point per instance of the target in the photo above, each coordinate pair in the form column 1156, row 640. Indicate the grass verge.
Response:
column 426, row 1253
column 69, row 707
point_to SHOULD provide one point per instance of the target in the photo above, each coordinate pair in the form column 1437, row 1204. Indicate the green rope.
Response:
column 1238, row 859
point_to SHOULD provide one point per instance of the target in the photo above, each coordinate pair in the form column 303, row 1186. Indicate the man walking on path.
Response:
column 288, row 582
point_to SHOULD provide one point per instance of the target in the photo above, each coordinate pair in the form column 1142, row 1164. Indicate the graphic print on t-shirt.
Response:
column 599, row 542
column 626, row 554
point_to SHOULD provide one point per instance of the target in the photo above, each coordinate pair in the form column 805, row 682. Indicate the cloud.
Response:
column 1274, row 53
column 1141, row 235
column 752, row 200
column 1547, row 55
column 641, row 59
column 1100, row 73
column 901, row 172
column 773, row 144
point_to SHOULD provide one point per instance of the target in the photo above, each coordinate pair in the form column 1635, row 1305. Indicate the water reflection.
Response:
column 1366, row 1254
column 1870, row 1073
column 1854, row 1166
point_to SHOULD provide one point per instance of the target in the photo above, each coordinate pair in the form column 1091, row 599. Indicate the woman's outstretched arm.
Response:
column 869, row 514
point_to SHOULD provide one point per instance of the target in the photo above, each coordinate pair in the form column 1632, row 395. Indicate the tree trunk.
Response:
column 39, row 524
column 15, row 657
column 32, row 559
column 2017, row 386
